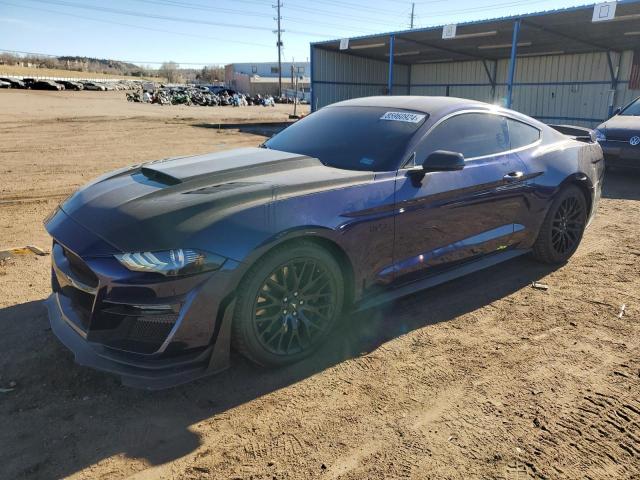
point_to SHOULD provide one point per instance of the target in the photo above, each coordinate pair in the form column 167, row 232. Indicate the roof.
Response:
column 435, row 107
column 416, row 103
column 285, row 79
column 568, row 30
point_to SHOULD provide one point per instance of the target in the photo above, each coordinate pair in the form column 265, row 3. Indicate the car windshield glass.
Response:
column 633, row 109
column 352, row 138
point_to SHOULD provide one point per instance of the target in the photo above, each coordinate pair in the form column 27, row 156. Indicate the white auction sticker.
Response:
column 403, row 117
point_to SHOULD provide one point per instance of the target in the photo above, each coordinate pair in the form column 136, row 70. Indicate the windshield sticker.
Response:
column 403, row 117
column 366, row 161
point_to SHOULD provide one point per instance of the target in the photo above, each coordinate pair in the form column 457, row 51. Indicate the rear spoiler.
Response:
column 581, row 134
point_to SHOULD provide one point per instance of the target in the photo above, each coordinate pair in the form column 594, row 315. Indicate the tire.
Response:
column 563, row 226
column 288, row 304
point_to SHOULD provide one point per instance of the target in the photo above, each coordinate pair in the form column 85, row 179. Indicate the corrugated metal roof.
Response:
column 565, row 30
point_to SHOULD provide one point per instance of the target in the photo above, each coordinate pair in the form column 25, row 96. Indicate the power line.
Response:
column 130, row 13
column 342, row 16
column 161, row 30
column 360, row 7
column 173, row 3
column 486, row 7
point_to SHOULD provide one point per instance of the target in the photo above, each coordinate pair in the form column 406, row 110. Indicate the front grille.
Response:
column 75, row 283
column 80, row 269
column 82, row 303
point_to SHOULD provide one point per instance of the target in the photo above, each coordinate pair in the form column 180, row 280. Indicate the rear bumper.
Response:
column 134, row 370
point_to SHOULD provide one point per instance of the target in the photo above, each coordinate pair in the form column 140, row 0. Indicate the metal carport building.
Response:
column 559, row 66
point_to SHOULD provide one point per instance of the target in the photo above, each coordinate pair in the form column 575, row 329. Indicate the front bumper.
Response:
column 151, row 374
column 155, row 332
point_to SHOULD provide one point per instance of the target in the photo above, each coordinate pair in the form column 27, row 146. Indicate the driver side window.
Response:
column 472, row 134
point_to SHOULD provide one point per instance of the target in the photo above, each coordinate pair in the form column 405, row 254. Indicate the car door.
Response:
column 452, row 216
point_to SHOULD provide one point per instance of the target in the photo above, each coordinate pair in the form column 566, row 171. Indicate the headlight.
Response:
column 600, row 136
column 171, row 262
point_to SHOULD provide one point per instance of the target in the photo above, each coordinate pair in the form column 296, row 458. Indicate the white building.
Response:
column 262, row 77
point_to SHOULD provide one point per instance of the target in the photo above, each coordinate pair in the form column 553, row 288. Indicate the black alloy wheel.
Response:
column 294, row 306
column 563, row 227
column 287, row 304
column 567, row 226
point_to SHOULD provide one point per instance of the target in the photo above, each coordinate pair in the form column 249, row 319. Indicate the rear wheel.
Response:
column 563, row 227
column 288, row 304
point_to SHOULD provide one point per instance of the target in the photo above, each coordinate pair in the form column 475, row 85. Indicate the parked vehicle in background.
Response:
column 14, row 82
column 46, row 85
column 69, row 85
column 219, row 90
column 94, row 86
column 158, row 268
column 620, row 137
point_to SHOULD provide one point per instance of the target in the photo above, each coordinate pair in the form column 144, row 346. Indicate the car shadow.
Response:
column 623, row 184
column 85, row 416
column 263, row 129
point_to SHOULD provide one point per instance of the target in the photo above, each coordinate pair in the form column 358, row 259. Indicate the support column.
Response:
column 390, row 81
column 614, row 72
column 512, row 62
column 311, row 93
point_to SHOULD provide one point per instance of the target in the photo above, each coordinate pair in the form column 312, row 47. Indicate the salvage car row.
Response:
column 206, row 96
column 40, row 84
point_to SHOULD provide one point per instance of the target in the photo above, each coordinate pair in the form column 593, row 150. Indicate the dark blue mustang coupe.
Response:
column 159, row 268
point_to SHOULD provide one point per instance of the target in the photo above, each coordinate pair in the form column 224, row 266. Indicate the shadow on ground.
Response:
column 84, row 416
column 263, row 129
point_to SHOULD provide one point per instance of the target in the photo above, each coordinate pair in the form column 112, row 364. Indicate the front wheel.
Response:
column 287, row 304
column 563, row 227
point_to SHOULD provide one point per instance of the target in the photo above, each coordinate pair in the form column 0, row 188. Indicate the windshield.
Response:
column 352, row 138
column 633, row 109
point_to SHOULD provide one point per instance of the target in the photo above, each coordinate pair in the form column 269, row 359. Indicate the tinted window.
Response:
column 352, row 138
column 472, row 134
column 633, row 109
column 521, row 134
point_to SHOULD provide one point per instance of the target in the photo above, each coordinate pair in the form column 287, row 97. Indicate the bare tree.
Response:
column 170, row 71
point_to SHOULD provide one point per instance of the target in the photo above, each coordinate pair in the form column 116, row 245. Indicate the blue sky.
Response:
column 198, row 32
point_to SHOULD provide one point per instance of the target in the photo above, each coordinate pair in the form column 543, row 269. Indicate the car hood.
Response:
column 621, row 127
column 161, row 204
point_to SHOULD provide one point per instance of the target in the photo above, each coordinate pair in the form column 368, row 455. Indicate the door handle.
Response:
column 513, row 176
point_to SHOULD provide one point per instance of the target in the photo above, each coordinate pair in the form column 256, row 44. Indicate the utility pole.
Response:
column 279, row 32
column 413, row 6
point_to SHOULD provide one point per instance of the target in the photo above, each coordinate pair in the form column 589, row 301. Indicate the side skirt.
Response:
column 428, row 282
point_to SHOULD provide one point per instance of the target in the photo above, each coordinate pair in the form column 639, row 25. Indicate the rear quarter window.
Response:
column 521, row 134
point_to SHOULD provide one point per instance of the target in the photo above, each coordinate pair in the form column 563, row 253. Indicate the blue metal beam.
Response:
column 390, row 81
column 512, row 62
column 312, row 92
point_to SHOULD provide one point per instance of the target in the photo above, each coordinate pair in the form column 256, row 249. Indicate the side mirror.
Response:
column 438, row 161
column 443, row 161
column 617, row 111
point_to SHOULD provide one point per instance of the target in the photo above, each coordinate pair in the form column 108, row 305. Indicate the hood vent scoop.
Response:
column 160, row 177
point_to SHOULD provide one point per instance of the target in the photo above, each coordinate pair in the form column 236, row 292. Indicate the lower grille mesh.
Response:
column 152, row 329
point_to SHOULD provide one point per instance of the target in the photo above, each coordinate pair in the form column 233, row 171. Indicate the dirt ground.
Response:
column 483, row 377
